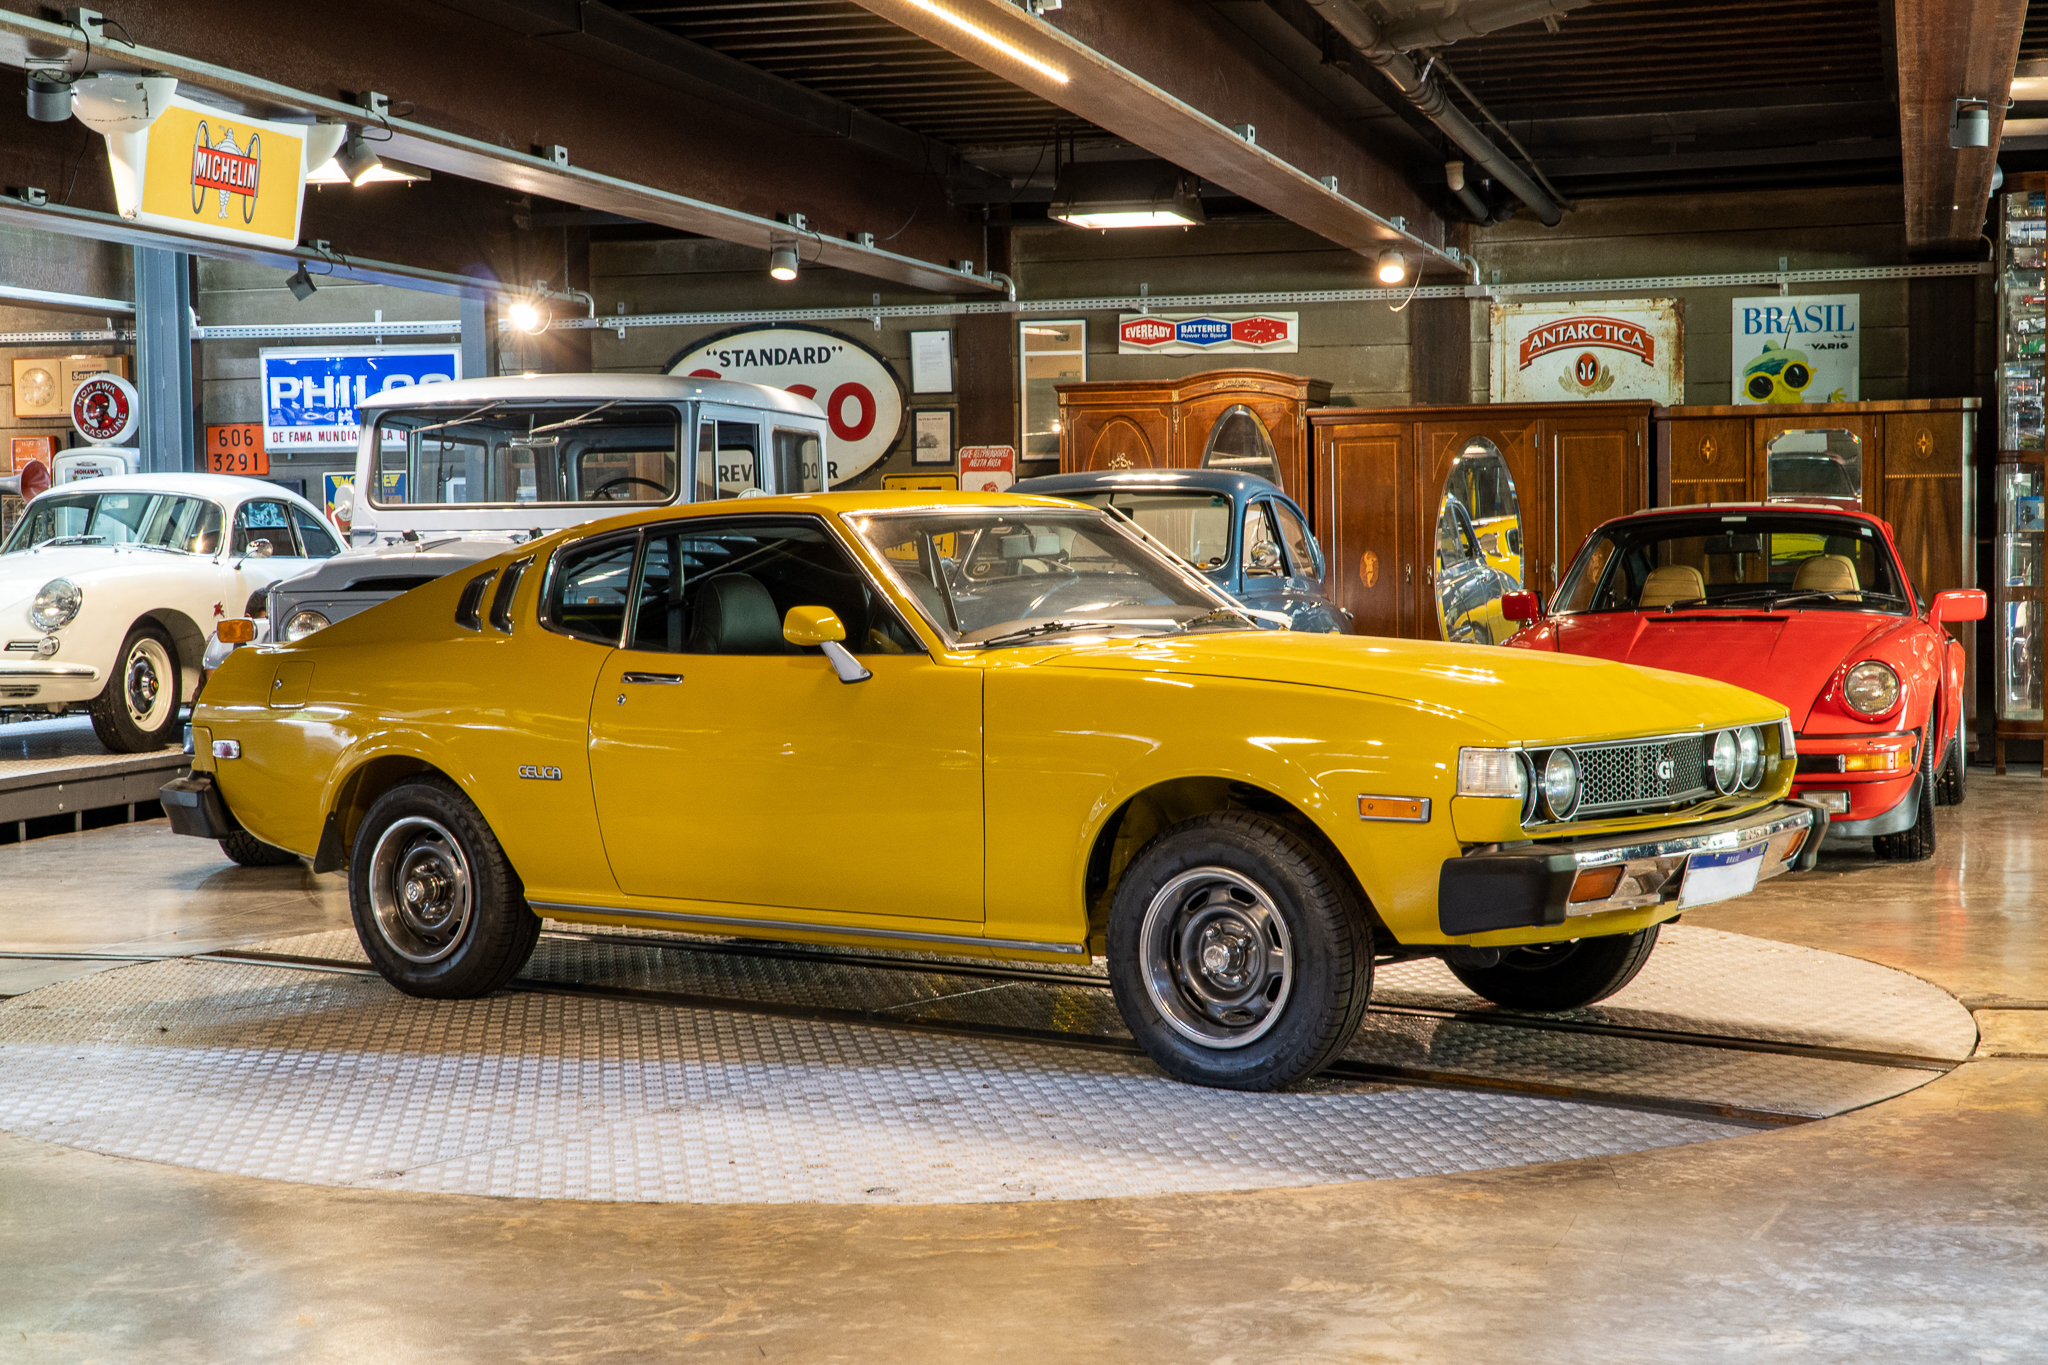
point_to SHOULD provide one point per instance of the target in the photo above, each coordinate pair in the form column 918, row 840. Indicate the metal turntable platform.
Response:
column 649, row 1067
column 57, row 778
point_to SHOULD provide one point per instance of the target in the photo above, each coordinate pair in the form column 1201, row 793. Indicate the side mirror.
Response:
column 820, row 627
column 1957, row 604
column 1265, row 558
column 1521, row 606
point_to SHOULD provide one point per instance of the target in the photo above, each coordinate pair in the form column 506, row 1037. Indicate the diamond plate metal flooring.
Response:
column 693, row 1094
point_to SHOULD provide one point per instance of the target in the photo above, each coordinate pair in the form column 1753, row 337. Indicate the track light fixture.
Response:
column 1392, row 267
column 49, row 97
column 782, row 263
column 300, row 283
column 529, row 315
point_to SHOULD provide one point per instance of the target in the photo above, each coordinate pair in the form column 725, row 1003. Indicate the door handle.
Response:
column 658, row 679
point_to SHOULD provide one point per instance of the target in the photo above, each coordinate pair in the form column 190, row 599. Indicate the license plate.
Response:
column 1711, row 877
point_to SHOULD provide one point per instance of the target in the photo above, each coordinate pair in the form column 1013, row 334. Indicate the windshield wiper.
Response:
column 1052, row 627
column 73, row 540
column 1773, row 598
column 1207, row 616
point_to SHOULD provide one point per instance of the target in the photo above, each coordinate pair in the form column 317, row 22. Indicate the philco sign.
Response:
column 1612, row 349
column 1197, row 333
column 861, row 395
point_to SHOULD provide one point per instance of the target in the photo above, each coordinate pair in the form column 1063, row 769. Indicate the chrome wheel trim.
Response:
column 421, row 894
column 1216, row 958
column 145, row 690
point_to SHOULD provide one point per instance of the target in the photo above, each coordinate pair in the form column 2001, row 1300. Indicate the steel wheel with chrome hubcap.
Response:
column 1239, row 957
column 438, row 908
column 137, row 711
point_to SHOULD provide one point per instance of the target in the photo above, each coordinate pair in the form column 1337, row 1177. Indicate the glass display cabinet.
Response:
column 2022, row 470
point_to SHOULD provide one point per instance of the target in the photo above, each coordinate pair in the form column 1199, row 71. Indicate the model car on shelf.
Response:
column 987, row 725
column 1240, row 530
column 108, row 589
column 449, row 474
column 1809, row 606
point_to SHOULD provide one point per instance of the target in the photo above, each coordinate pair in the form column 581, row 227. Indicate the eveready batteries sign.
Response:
column 1199, row 333
column 310, row 394
column 1631, row 348
column 860, row 393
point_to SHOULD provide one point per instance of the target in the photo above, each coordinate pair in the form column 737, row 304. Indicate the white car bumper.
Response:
column 42, row 682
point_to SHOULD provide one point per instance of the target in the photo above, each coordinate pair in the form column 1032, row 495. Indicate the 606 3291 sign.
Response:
column 236, row 448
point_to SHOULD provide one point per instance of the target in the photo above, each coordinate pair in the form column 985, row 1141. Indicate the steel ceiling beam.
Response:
column 492, row 162
column 1165, row 76
column 1958, row 48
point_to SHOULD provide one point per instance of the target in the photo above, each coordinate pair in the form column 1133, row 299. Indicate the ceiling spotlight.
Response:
column 356, row 160
column 49, row 98
column 300, row 283
column 529, row 315
column 1126, row 194
column 1969, row 123
column 1392, row 267
column 782, row 263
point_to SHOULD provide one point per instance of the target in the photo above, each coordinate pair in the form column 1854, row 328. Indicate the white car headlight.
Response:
column 1871, row 688
column 302, row 624
column 56, row 604
column 1726, row 761
column 1749, row 745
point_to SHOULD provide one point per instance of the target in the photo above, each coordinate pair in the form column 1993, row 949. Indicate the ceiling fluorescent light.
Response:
column 1002, row 45
column 1125, row 194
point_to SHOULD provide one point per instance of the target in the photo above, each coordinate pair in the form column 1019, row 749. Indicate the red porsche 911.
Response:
column 1807, row 605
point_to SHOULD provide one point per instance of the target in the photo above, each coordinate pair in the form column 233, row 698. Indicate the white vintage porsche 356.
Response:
column 109, row 589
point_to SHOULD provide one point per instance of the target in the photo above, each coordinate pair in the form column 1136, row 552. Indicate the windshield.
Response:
column 505, row 453
column 1003, row 575
column 1195, row 526
column 163, row 521
column 1736, row 560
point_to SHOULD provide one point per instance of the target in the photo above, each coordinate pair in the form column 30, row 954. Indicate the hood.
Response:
column 1788, row 657
column 1516, row 693
column 23, row 573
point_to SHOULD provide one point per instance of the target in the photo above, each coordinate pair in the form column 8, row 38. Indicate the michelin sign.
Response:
column 1797, row 349
column 310, row 394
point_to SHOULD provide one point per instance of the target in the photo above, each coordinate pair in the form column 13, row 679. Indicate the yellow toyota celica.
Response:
column 988, row 725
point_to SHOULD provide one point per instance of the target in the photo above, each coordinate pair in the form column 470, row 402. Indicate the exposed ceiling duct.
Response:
column 1474, row 21
column 1363, row 33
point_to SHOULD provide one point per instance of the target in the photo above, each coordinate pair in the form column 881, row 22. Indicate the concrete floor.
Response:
column 1914, row 1230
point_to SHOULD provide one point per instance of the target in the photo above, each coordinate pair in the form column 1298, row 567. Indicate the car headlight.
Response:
column 1727, row 761
column 1749, row 745
column 1871, row 688
column 302, row 624
column 1561, row 784
column 56, row 604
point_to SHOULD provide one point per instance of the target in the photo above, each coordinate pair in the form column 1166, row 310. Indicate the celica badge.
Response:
column 535, row 773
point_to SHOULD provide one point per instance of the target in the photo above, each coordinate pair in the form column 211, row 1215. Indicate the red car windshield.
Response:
column 1758, row 560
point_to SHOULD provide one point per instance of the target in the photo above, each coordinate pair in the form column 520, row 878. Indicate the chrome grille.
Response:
column 1643, row 774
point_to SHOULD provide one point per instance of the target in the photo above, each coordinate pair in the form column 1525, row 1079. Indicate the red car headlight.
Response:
column 1871, row 688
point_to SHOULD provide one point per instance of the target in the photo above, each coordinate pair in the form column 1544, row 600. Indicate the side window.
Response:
column 501, row 601
column 587, row 588
column 1301, row 553
column 1261, row 542
column 799, row 462
column 728, row 460
column 266, row 524
column 318, row 541
column 723, row 586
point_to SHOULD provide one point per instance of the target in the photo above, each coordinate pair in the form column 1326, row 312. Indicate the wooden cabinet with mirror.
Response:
column 1428, row 516
column 1248, row 421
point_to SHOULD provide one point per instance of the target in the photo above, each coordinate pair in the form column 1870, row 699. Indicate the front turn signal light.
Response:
column 236, row 630
column 1884, row 761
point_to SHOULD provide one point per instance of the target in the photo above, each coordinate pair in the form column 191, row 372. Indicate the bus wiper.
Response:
column 74, row 540
column 458, row 421
column 590, row 416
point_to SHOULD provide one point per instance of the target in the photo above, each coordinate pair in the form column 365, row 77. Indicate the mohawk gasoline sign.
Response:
column 1623, row 348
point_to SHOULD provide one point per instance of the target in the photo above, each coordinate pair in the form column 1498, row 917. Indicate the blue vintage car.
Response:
column 1248, row 537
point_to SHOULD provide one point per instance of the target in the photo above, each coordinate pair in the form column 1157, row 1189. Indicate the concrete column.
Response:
column 169, row 440
column 476, row 341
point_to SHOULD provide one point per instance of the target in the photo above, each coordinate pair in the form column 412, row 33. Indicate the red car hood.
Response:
column 1787, row 656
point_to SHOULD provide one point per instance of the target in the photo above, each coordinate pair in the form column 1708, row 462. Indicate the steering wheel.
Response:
column 603, row 490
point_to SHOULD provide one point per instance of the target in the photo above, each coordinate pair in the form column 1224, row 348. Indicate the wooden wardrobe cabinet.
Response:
column 1165, row 423
column 1379, row 475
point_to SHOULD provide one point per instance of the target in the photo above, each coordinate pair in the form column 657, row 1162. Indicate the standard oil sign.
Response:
column 861, row 395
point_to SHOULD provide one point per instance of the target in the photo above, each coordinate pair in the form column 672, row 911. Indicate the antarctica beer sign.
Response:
column 1606, row 349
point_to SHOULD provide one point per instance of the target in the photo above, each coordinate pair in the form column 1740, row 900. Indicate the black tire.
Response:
column 1547, row 977
column 138, row 711
column 1916, row 842
column 250, row 851
column 1293, row 970
column 1953, row 782
column 438, row 908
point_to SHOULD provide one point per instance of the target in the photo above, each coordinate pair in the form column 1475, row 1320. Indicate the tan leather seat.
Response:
column 1671, row 583
column 1826, row 573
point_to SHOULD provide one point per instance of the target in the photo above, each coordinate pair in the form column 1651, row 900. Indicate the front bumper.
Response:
column 40, row 682
column 195, row 807
column 1538, row 885
column 1865, row 799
